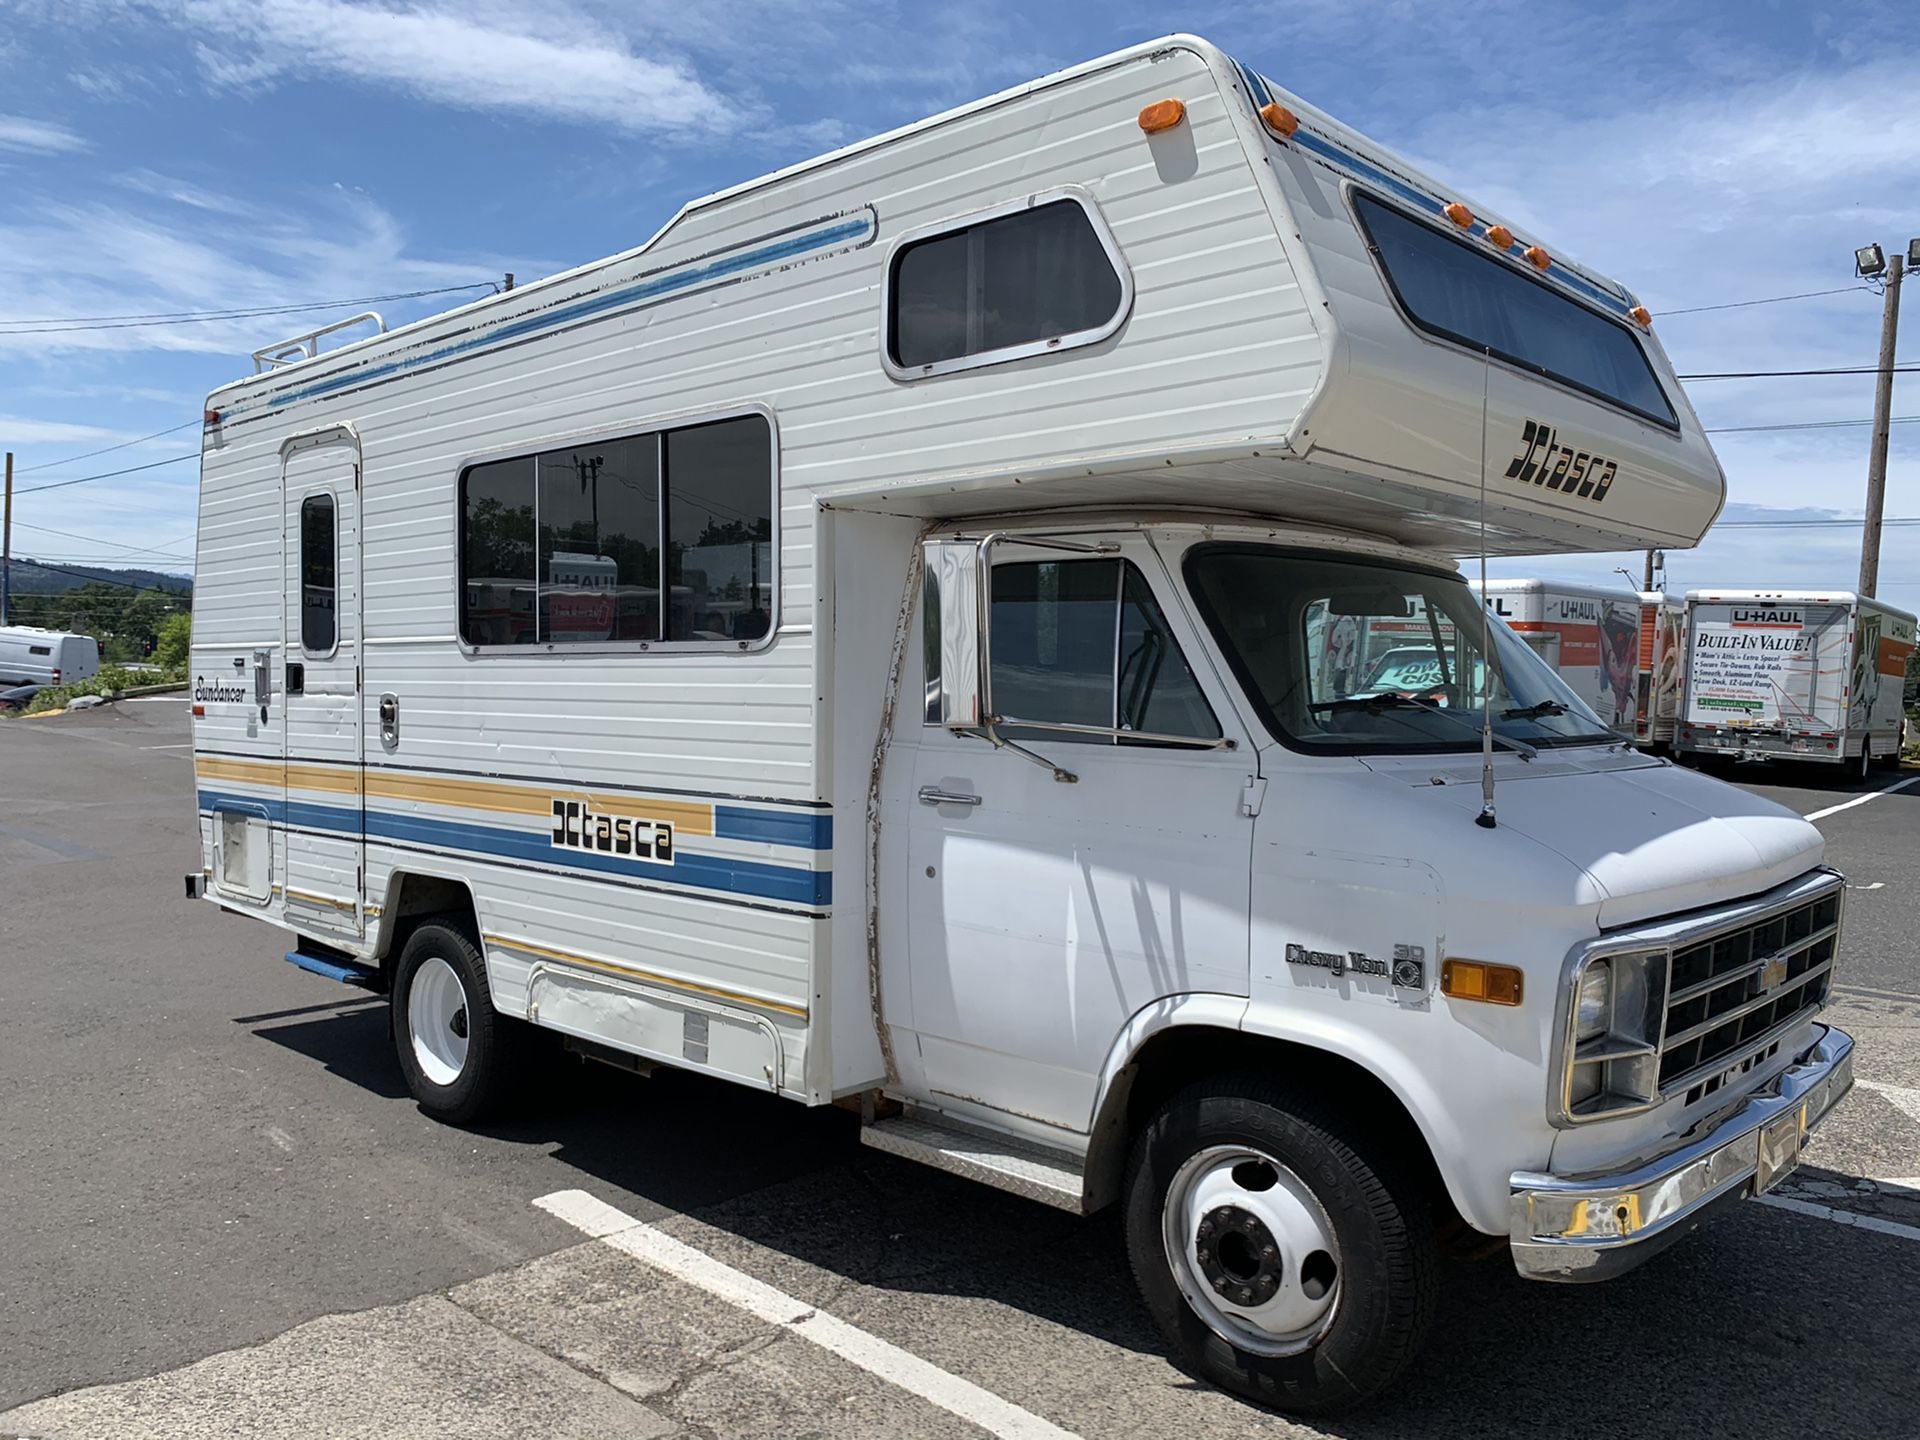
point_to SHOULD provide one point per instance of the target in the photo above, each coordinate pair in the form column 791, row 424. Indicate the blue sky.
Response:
column 169, row 155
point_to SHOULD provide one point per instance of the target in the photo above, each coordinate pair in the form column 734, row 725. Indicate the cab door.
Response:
column 1043, row 914
column 324, row 791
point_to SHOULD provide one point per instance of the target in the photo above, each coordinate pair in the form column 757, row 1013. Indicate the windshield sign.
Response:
column 1363, row 657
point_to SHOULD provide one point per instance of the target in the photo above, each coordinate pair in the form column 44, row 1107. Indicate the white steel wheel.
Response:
column 1252, row 1250
column 437, row 1021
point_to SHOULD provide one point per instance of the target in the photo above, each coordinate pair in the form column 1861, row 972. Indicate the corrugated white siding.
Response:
column 1218, row 349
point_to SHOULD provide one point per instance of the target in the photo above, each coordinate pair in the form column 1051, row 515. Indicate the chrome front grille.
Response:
column 1730, row 996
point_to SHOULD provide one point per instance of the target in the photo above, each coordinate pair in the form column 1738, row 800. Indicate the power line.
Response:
column 1770, row 374
column 107, row 475
column 200, row 317
column 101, row 580
column 1806, row 425
column 1809, row 524
column 1767, row 300
column 108, row 450
column 96, row 540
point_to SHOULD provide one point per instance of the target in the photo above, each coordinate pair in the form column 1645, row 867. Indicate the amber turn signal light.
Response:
column 1641, row 316
column 1477, row 980
column 1280, row 120
column 1458, row 214
column 1537, row 257
column 1162, row 115
column 1501, row 236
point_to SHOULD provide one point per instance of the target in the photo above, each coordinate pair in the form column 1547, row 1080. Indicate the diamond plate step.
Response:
column 1050, row 1176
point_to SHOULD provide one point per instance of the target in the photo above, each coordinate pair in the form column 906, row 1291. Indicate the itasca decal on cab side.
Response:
column 1544, row 461
column 576, row 827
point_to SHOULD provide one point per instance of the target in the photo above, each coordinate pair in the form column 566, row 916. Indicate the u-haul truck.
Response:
column 1618, row 650
column 1795, row 675
column 961, row 755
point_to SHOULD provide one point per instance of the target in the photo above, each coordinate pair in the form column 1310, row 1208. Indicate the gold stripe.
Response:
column 628, row 972
column 319, row 899
column 689, row 817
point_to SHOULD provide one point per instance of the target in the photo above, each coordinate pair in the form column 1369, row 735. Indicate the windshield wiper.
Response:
column 1537, row 711
column 1394, row 697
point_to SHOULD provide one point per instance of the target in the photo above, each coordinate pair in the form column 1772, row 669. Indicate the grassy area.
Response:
column 111, row 680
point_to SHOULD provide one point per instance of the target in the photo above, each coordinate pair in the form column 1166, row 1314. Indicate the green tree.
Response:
column 170, row 645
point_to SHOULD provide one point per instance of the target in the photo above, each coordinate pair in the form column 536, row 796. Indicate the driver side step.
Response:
column 342, row 969
column 1039, row 1172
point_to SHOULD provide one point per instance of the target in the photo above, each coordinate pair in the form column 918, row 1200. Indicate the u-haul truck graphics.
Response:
column 993, row 513
column 1797, row 675
column 1591, row 636
column 1663, row 659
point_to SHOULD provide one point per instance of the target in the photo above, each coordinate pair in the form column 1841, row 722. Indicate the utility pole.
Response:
column 1647, row 584
column 6, row 550
column 1882, row 411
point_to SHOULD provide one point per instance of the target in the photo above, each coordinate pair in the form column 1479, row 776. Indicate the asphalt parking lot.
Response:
column 220, row 1214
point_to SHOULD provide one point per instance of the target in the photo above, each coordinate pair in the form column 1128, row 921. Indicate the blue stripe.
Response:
column 707, row 872
column 1617, row 303
column 807, row 829
column 634, row 296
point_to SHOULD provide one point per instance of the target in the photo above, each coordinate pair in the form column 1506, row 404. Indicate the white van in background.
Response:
column 31, row 656
column 1795, row 675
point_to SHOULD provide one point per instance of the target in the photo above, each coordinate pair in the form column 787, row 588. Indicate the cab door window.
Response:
column 1083, row 642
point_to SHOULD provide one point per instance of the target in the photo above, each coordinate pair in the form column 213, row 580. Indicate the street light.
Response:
column 1870, row 262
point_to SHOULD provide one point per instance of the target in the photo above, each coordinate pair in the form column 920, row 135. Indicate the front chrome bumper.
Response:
column 1593, row 1227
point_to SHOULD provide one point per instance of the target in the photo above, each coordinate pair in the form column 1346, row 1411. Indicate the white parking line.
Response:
column 1842, row 1217
column 1908, row 1100
column 1863, row 799
column 872, row 1354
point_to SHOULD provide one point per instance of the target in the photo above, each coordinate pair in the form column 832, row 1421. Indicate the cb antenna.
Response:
column 1485, row 819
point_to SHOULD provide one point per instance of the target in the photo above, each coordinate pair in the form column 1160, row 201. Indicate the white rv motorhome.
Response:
column 32, row 656
column 959, row 520
column 1795, row 675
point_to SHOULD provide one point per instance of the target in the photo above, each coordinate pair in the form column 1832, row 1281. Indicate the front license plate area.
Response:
column 1781, row 1141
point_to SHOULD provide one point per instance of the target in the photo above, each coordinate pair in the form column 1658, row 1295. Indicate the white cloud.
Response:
column 39, row 137
column 549, row 61
column 19, row 430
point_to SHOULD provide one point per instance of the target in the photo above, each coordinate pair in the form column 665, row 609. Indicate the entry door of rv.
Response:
column 320, row 684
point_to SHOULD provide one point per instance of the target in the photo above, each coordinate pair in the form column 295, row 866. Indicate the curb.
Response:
column 133, row 690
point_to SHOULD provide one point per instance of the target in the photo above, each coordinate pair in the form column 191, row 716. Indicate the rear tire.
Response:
column 456, row 1052
column 1285, row 1259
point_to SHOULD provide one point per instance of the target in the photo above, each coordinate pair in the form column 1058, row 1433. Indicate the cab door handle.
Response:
column 934, row 795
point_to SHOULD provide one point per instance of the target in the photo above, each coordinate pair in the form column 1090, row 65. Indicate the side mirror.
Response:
column 954, row 633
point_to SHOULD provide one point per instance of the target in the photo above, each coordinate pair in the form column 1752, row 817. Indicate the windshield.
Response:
column 1365, row 657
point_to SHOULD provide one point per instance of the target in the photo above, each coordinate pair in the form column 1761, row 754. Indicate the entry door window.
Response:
column 1082, row 642
column 319, row 567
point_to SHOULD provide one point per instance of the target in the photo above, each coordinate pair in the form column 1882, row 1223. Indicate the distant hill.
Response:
column 32, row 579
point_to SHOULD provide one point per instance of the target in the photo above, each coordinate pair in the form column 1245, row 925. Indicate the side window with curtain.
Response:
column 1082, row 642
column 990, row 289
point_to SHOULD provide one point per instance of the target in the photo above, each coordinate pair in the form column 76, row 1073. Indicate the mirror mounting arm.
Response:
column 994, row 738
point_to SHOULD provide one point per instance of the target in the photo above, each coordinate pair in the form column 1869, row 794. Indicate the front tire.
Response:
column 455, row 1051
column 1285, row 1260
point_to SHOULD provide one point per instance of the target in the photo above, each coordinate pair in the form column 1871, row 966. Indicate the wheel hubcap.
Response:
column 437, row 1021
column 1252, row 1250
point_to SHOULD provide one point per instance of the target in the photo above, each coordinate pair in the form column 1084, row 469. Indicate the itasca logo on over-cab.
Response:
column 1544, row 461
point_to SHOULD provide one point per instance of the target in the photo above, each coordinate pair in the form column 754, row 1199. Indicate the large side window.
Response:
column 319, row 563
column 656, row 538
column 992, row 289
column 1451, row 289
column 1082, row 642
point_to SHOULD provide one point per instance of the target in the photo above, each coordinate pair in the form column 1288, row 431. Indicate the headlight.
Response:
column 1595, row 999
column 1613, row 1029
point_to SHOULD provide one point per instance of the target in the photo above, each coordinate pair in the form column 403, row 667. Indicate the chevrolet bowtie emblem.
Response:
column 1773, row 974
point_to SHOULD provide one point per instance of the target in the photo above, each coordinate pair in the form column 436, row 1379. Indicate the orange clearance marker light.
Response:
column 1501, row 236
column 1280, row 120
column 1641, row 316
column 1162, row 115
column 1459, row 214
column 1537, row 257
column 1477, row 980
